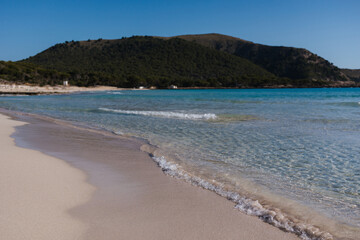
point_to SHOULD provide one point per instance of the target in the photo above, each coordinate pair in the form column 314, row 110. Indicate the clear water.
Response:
column 301, row 144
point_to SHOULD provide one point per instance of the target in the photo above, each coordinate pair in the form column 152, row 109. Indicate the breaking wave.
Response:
column 189, row 116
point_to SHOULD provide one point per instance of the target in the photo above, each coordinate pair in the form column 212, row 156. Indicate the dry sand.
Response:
column 36, row 191
column 33, row 90
column 133, row 198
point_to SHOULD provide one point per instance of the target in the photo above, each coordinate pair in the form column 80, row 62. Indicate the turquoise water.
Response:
column 277, row 145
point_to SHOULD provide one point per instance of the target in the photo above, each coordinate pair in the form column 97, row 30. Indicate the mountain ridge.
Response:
column 353, row 74
column 138, row 60
column 197, row 60
column 289, row 62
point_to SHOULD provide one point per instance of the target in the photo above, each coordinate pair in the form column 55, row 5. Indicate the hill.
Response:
column 18, row 72
column 353, row 74
column 207, row 60
column 148, row 61
column 288, row 62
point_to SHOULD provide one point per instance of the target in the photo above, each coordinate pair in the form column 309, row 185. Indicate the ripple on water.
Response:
column 302, row 144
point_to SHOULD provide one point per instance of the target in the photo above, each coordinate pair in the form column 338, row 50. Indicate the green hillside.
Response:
column 353, row 74
column 208, row 60
column 288, row 62
column 17, row 72
column 135, row 61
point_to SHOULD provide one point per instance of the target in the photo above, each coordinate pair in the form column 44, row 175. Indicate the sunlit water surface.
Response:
column 302, row 144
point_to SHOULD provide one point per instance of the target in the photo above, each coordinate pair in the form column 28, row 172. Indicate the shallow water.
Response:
column 299, row 144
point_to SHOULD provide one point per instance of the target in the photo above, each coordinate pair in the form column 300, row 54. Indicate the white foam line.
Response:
column 246, row 205
column 189, row 116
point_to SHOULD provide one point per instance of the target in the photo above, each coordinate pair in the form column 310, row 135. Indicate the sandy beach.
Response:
column 45, row 193
column 38, row 90
column 37, row 191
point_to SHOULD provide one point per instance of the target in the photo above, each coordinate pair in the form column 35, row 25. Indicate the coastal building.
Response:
column 66, row 83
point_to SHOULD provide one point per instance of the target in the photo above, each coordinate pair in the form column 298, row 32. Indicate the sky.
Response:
column 329, row 28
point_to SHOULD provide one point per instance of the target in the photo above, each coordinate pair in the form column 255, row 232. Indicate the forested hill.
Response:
column 148, row 61
column 289, row 62
column 353, row 74
column 19, row 72
column 209, row 60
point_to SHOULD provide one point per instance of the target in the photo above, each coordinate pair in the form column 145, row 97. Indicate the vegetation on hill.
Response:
column 148, row 61
column 288, row 62
column 353, row 74
column 208, row 60
column 16, row 72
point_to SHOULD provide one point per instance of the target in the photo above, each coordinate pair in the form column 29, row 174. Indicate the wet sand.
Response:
column 37, row 191
column 133, row 198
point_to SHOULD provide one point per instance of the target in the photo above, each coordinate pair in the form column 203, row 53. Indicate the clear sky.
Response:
column 329, row 28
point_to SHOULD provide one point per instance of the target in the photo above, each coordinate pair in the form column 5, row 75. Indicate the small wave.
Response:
column 346, row 104
column 115, row 93
column 246, row 205
column 118, row 133
column 223, row 118
column 189, row 116
column 226, row 101
column 14, row 95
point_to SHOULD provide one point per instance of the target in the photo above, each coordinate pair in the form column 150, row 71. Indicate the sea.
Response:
column 289, row 156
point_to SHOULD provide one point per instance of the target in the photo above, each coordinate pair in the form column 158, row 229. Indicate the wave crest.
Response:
column 188, row 116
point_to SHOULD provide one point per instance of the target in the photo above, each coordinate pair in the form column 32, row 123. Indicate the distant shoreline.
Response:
column 266, row 87
column 22, row 89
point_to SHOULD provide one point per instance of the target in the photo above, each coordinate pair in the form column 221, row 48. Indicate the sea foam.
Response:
column 246, row 205
column 164, row 114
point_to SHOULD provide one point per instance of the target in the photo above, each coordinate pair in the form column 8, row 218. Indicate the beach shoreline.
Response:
column 25, row 89
column 37, row 191
column 134, row 199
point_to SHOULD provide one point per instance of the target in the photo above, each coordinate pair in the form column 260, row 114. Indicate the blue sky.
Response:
column 328, row 28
